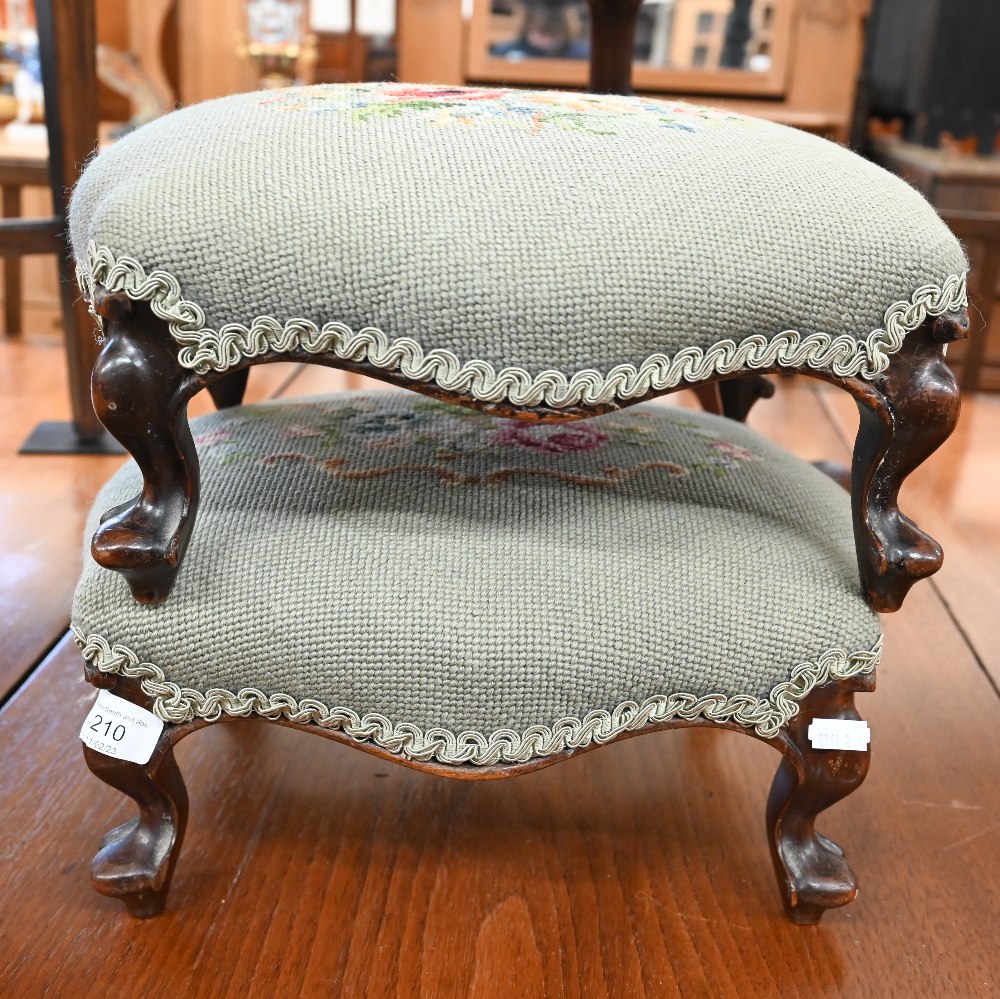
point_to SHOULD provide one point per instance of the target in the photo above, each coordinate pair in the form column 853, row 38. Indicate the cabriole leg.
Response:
column 136, row 860
column 228, row 389
column 740, row 394
column 140, row 393
column 905, row 418
column 813, row 875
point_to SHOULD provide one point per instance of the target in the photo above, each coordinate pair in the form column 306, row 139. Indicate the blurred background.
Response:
column 914, row 84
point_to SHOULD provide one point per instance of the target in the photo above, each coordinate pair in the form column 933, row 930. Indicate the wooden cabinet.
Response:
column 815, row 58
column 965, row 189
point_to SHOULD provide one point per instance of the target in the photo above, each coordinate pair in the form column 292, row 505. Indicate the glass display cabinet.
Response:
column 738, row 47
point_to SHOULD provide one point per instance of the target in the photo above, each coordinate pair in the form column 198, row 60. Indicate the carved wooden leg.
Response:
column 140, row 393
column 905, row 417
column 733, row 397
column 228, row 390
column 709, row 397
column 812, row 873
column 739, row 394
column 136, row 860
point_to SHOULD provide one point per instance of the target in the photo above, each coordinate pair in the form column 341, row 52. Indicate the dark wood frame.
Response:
column 136, row 860
column 141, row 392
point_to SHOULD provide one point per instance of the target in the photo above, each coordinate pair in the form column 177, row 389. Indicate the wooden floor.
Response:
column 639, row 870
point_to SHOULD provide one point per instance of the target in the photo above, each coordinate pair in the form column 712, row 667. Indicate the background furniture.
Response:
column 817, row 92
column 703, row 28
column 934, row 65
column 67, row 43
column 932, row 95
column 965, row 189
column 203, row 34
column 21, row 165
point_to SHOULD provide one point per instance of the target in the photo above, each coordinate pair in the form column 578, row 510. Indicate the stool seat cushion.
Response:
column 461, row 589
column 530, row 247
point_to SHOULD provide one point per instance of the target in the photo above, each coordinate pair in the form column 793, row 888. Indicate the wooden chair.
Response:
column 508, row 565
column 67, row 45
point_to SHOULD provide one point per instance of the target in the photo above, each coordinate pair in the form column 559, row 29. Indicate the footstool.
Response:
column 514, row 565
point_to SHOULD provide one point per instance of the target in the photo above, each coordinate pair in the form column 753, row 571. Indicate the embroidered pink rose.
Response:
column 394, row 93
column 551, row 439
column 213, row 437
column 734, row 451
column 297, row 430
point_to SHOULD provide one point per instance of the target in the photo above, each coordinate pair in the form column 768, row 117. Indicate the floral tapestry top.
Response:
column 372, row 435
column 531, row 111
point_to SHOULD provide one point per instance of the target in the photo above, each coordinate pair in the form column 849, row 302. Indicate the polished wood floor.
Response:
column 638, row 870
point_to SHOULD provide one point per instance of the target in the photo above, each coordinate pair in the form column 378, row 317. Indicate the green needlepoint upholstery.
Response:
column 532, row 247
column 453, row 587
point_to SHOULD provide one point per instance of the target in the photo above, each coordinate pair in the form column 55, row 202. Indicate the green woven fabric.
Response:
column 457, row 234
column 431, row 569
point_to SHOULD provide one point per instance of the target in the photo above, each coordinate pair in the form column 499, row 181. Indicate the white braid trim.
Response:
column 204, row 349
column 176, row 704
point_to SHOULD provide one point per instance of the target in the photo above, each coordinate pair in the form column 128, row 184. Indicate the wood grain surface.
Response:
column 43, row 503
column 44, row 500
column 639, row 870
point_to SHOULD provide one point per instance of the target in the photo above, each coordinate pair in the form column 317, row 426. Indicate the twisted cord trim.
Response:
column 204, row 349
column 177, row 704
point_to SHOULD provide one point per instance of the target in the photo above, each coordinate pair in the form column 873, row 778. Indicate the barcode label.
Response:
column 839, row 733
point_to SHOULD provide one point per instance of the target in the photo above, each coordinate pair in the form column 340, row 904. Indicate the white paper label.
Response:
column 839, row 733
column 119, row 728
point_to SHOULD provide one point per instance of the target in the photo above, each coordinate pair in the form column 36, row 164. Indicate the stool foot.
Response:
column 136, row 860
column 812, row 873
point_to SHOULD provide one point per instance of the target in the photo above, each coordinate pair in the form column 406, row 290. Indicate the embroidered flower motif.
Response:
column 217, row 436
column 734, row 451
column 274, row 459
column 553, row 439
column 407, row 93
column 726, row 456
column 366, row 438
column 297, row 430
column 528, row 110
column 397, row 430
column 581, row 102
column 383, row 423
